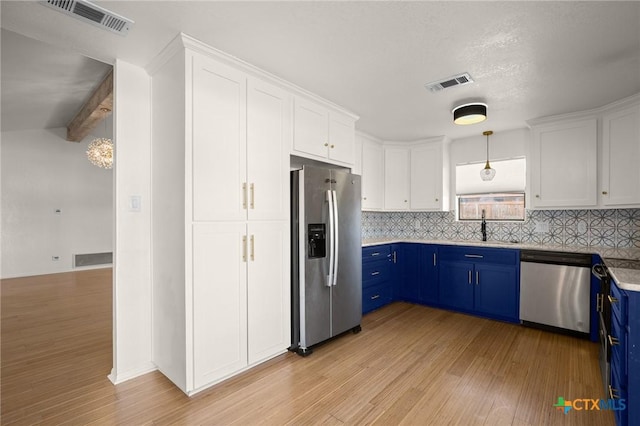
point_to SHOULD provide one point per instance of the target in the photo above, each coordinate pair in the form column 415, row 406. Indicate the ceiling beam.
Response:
column 99, row 104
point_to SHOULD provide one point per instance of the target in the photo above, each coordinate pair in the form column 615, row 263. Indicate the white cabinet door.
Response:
column 311, row 129
column 426, row 177
column 341, row 138
column 219, row 141
column 268, row 142
column 219, row 300
column 396, row 178
column 564, row 164
column 372, row 175
column 269, row 307
column 621, row 157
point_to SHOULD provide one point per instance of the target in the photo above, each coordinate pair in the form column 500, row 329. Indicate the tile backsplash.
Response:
column 598, row 228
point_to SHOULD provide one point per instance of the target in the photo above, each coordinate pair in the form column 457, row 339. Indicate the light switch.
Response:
column 135, row 203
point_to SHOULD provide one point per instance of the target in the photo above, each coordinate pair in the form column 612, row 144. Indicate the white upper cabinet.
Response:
column 341, row 138
column 268, row 141
column 219, row 141
column 564, row 164
column 372, row 174
column 620, row 162
column 323, row 134
column 396, row 178
column 430, row 176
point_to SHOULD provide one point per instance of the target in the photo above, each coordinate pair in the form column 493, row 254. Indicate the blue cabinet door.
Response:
column 496, row 290
column 456, row 285
column 408, row 264
column 428, row 278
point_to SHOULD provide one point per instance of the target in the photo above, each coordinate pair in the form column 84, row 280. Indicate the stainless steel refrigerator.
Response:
column 326, row 250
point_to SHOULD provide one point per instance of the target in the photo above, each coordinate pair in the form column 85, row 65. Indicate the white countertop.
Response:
column 627, row 279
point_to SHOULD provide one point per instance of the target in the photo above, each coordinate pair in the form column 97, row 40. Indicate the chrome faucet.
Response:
column 483, row 227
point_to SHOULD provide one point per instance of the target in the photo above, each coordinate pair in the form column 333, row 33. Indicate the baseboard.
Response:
column 117, row 378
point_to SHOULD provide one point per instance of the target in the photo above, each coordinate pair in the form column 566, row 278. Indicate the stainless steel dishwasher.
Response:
column 555, row 290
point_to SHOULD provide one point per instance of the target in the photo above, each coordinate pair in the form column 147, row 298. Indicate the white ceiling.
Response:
column 529, row 59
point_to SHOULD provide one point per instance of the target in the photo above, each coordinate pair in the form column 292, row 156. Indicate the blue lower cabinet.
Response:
column 456, row 285
column 376, row 297
column 428, row 275
column 407, row 264
column 624, row 338
column 496, row 291
column 378, row 275
column 480, row 281
column 476, row 280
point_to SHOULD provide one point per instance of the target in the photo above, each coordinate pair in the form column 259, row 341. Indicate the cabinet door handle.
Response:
column 326, row 144
column 612, row 299
column 244, row 248
column 434, row 259
column 604, row 192
column 598, row 303
column 537, row 196
column 474, row 256
column 477, row 277
column 253, row 195
column 244, row 195
column 375, row 253
column 613, row 393
column 374, row 273
column 332, row 146
column 253, row 248
column 613, row 341
column 395, row 257
column 470, row 276
column 377, row 296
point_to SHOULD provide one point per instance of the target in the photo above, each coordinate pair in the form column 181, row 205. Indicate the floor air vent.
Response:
column 92, row 259
column 456, row 80
column 89, row 12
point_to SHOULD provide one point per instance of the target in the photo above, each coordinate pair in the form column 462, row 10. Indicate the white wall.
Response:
column 42, row 172
column 132, row 316
column 502, row 145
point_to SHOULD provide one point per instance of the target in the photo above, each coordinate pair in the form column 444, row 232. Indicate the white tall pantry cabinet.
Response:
column 220, row 195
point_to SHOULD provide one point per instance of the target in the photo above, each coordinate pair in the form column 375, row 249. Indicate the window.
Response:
column 502, row 198
column 496, row 206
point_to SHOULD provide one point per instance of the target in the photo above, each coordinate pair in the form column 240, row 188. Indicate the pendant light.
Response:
column 100, row 150
column 470, row 113
column 487, row 173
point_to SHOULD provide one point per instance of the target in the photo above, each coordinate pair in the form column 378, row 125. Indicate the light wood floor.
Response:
column 409, row 365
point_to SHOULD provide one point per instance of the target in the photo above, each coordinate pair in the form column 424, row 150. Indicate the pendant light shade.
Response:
column 487, row 173
column 469, row 113
column 100, row 150
column 100, row 153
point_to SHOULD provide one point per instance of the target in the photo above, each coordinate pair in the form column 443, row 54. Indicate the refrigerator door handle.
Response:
column 329, row 282
column 335, row 237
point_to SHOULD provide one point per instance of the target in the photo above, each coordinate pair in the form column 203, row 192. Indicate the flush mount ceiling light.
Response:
column 487, row 173
column 470, row 113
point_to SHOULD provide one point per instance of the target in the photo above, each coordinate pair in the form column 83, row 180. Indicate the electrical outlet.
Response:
column 582, row 227
column 542, row 227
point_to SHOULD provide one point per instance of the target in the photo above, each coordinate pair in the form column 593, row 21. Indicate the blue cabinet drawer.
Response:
column 618, row 341
column 618, row 301
column 373, row 253
column 376, row 296
column 375, row 272
column 479, row 254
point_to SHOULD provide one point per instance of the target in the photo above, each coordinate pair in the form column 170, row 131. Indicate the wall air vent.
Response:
column 456, row 80
column 90, row 13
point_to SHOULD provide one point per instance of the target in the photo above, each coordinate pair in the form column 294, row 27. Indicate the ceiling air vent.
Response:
column 89, row 12
column 456, row 80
